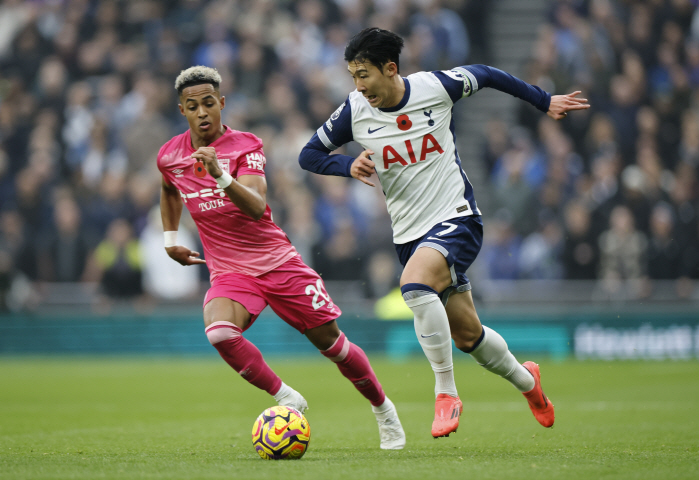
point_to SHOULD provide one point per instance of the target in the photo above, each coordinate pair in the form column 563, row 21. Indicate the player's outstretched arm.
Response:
column 363, row 167
column 562, row 104
column 556, row 106
column 170, row 211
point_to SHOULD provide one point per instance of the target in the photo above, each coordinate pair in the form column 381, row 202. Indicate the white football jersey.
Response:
column 415, row 154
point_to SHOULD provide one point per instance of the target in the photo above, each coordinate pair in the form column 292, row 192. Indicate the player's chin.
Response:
column 208, row 132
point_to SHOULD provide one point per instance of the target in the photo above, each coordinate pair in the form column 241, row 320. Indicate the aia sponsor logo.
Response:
column 429, row 144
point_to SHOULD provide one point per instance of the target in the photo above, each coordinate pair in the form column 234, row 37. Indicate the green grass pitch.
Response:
column 190, row 418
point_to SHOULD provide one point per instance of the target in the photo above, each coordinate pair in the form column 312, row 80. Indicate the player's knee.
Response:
column 466, row 339
column 324, row 336
column 225, row 310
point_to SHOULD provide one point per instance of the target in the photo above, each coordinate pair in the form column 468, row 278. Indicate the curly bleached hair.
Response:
column 196, row 76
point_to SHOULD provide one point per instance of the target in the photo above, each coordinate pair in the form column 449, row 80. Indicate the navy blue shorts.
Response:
column 458, row 239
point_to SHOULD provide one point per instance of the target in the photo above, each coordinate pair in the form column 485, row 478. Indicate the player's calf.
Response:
column 354, row 365
column 242, row 356
column 491, row 352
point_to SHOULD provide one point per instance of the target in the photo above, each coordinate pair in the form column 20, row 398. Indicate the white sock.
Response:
column 382, row 410
column 433, row 333
column 493, row 355
column 284, row 390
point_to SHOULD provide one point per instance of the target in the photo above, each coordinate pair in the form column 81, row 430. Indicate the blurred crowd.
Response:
column 610, row 193
column 87, row 99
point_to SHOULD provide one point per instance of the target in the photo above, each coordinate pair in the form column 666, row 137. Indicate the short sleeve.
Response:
column 337, row 131
column 252, row 163
column 458, row 82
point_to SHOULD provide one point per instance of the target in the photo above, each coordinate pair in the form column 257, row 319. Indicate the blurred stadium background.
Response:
column 592, row 237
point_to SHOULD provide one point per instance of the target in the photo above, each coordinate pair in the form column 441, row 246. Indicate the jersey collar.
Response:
column 220, row 139
column 403, row 101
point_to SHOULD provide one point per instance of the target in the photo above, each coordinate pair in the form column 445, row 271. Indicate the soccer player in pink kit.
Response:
column 219, row 175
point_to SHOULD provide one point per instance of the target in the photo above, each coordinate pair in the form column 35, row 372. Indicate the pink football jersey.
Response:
column 233, row 242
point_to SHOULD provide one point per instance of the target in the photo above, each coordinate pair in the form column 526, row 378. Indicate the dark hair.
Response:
column 376, row 46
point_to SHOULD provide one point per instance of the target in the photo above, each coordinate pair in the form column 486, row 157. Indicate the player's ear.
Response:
column 390, row 69
column 181, row 108
column 222, row 100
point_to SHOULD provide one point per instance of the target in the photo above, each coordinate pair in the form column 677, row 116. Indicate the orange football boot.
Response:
column 447, row 410
column 540, row 405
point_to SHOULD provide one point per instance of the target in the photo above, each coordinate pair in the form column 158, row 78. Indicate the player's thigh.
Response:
column 429, row 267
column 222, row 309
column 464, row 323
column 296, row 293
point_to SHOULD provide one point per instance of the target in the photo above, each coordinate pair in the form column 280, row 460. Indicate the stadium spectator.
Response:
column 63, row 257
column 117, row 262
column 664, row 254
column 580, row 250
column 86, row 101
column 501, row 249
column 623, row 250
column 540, row 254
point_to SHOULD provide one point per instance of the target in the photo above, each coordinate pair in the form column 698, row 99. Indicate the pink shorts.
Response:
column 293, row 290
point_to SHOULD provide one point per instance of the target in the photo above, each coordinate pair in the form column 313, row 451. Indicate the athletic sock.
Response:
column 243, row 356
column 383, row 411
column 354, row 365
column 284, row 391
column 491, row 353
column 383, row 408
column 433, row 333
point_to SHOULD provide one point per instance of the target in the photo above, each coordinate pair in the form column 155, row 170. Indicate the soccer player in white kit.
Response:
column 406, row 126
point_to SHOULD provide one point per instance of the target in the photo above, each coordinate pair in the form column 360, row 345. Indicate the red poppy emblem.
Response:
column 404, row 122
column 199, row 169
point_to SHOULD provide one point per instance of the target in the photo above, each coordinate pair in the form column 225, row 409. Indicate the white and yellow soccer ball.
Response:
column 281, row 433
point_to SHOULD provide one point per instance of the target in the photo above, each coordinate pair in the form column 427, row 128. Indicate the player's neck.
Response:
column 398, row 91
column 198, row 142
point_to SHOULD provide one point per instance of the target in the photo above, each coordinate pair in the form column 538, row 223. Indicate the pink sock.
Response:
column 354, row 364
column 243, row 356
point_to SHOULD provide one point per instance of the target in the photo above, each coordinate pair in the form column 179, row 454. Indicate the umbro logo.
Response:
column 370, row 131
column 178, row 172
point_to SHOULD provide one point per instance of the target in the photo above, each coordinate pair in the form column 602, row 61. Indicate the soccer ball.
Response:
column 281, row 432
